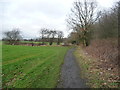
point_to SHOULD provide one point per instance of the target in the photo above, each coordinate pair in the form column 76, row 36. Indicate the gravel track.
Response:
column 70, row 73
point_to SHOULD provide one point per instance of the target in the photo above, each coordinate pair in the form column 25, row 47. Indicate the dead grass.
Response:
column 100, row 64
column 106, row 50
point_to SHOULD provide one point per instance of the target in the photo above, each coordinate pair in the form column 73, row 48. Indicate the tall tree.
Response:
column 13, row 37
column 83, row 16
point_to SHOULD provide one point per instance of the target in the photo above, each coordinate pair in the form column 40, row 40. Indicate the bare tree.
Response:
column 51, row 36
column 59, row 37
column 73, row 38
column 43, row 34
column 83, row 16
column 12, row 37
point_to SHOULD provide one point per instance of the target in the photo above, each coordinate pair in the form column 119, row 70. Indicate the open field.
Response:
column 31, row 67
column 29, row 42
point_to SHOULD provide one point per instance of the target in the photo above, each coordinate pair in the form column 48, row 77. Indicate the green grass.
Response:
column 29, row 42
column 31, row 67
column 0, row 63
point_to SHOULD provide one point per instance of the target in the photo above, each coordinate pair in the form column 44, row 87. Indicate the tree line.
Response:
column 45, row 35
column 50, row 36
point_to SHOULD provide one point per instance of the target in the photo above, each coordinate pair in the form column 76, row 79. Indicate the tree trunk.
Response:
column 43, row 41
column 51, row 41
column 58, row 42
column 85, row 40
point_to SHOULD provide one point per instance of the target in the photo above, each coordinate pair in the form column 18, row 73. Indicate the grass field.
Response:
column 31, row 67
column 0, row 63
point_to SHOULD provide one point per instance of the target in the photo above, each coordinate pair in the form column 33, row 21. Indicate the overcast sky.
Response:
column 31, row 15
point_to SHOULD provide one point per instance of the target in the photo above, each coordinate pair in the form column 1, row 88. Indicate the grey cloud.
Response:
column 50, row 9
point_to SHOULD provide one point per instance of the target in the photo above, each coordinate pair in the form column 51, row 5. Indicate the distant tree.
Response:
column 12, row 37
column 83, row 16
column 59, row 37
column 31, row 40
column 51, row 36
column 43, row 33
column 73, row 38
column 25, row 39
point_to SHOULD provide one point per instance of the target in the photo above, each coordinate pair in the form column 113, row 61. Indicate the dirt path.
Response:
column 70, row 73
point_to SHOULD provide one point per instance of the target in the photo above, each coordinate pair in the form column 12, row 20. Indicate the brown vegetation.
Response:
column 106, row 53
column 106, row 49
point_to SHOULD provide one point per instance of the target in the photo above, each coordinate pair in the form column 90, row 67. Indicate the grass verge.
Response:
column 96, row 77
